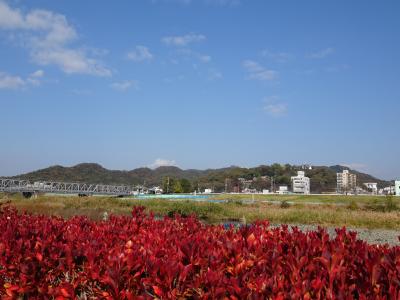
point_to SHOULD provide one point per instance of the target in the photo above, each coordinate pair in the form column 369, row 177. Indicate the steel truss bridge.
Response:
column 26, row 187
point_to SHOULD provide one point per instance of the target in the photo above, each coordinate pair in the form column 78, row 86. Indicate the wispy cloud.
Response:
column 188, row 53
column 49, row 36
column 8, row 81
column 161, row 162
column 37, row 74
column 258, row 72
column 274, row 106
column 124, row 85
column 204, row 58
column 276, row 109
column 281, row 57
column 322, row 53
column 183, row 40
column 35, row 77
column 141, row 53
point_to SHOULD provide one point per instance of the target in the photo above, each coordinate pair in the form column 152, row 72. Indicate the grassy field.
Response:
column 361, row 212
column 328, row 199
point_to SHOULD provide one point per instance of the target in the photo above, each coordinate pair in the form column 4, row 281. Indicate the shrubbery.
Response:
column 140, row 257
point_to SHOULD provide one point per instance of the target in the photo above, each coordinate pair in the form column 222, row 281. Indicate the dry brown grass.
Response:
column 325, row 215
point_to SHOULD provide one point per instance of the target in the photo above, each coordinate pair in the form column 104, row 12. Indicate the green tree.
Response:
column 168, row 185
column 177, row 187
column 186, row 186
column 282, row 180
column 260, row 184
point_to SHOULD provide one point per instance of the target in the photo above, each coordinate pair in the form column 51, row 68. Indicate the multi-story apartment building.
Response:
column 397, row 187
column 346, row 182
column 300, row 183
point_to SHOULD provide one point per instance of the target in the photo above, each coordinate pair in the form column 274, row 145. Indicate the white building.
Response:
column 283, row 189
column 389, row 190
column 249, row 191
column 300, row 183
column 346, row 182
column 372, row 187
column 397, row 187
column 207, row 191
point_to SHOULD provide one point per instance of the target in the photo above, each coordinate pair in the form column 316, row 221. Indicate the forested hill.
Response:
column 323, row 178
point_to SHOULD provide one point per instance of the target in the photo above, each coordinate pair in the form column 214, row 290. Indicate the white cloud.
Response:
column 8, row 81
column 188, row 53
column 184, row 40
column 321, row 54
column 48, row 36
column 35, row 77
column 280, row 57
column 141, row 53
column 274, row 107
column 160, row 162
column 205, row 58
column 257, row 72
column 9, row 18
column 125, row 85
column 37, row 74
column 70, row 61
column 276, row 110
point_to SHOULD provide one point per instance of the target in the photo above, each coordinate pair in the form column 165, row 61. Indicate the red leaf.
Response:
column 157, row 291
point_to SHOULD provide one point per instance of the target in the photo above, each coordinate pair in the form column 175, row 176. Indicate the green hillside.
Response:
column 323, row 179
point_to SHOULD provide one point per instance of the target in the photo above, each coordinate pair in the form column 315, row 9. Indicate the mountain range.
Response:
column 323, row 178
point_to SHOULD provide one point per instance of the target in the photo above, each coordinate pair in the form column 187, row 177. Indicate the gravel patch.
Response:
column 371, row 236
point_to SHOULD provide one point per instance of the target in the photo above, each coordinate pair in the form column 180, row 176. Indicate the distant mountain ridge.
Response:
column 323, row 178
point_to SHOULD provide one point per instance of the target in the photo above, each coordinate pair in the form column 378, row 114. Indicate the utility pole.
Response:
column 168, row 185
column 272, row 184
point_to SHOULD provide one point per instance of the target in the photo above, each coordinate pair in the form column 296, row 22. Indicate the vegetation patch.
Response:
column 141, row 257
column 355, row 214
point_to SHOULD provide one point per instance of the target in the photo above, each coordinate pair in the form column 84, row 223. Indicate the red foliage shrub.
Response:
column 140, row 257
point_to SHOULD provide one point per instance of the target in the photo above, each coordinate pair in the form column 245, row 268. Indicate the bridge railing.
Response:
column 16, row 185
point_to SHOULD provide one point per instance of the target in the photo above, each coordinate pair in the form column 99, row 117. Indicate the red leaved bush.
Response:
column 140, row 257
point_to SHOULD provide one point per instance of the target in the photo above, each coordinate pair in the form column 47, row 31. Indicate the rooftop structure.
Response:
column 300, row 183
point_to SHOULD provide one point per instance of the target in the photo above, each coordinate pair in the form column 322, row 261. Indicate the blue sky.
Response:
column 200, row 83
